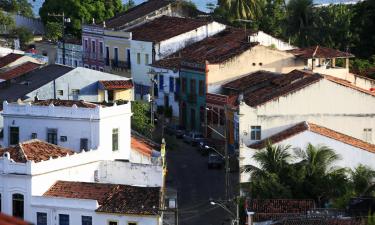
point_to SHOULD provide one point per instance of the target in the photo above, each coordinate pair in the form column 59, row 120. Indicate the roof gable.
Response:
column 11, row 57
column 19, row 70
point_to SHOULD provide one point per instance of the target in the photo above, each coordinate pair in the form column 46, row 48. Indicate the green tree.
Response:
column 23, row 34
column 54, row 31
column 128, row 5
column 79, row 11
column 363, row 178
column 300, row 21
column 273, row 18
column 6, row 21
column 22, row 7
column 246, row 9
column 140, row 121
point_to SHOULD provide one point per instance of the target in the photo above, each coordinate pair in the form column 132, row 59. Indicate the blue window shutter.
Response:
column 171, row 84
column 161, row 82
column 177, row 85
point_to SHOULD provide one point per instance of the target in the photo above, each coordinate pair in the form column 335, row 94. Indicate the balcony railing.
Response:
column 192, row 98
column 93, row 55
column 120, row 65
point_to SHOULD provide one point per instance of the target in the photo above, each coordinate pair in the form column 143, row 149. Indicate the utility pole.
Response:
column 164, row 167
column 226, row 154
column 67, row 20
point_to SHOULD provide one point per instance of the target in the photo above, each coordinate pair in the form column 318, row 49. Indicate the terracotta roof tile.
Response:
column 116, row 84
column 170, row 27
column 66, row 103
column 307, row 126
column 348, row 84
column 319, row 52
column 143, row 145
column 215, row 49
column 18, row 71
column 35, row 150
column 112, row 198
column 10, row 220
column 9, row 59
column 136, row 12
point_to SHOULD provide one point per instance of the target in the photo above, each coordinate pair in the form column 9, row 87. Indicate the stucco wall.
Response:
column 140, row 71
column 257, row 58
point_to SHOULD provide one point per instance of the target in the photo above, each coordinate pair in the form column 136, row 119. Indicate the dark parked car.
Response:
column 193, row 138
column 215, row 160
column 177, row 130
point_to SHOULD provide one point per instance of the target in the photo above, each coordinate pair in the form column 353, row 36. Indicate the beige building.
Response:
column 115, row 90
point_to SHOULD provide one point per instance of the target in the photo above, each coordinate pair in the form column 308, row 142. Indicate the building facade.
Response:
column 93, row 47
column 73, row 53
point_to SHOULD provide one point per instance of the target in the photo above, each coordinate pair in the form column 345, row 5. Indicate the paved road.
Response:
column 196, row 185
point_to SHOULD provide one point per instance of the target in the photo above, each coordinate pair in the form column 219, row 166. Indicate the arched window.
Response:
column 18, row 205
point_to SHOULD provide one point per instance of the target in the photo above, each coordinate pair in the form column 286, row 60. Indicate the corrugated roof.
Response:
column 35, row 150
column 19, row 70
column 11, row 57
column 319, row 52
column 164, row 28
column 112, row 198
column 307, row 126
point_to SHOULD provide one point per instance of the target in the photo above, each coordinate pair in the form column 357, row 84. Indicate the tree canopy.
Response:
column 22, row 7
column 79, row 11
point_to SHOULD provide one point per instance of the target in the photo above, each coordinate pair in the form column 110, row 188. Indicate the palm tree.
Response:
column 300, row 21
column 363, row 178
column 246, row 9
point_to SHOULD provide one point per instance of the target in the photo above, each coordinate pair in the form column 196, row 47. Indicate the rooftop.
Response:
column 112, row 198
column 18, row 71
column 215, row 49
column 11, row 57
column 319, row 52
column 307, row 126
column 143, row 145
column 10, row 220
column 136, row 12
column 170, row 27
column 32, row 81
column 116, row 84
column 65, row 103
column 35, row 150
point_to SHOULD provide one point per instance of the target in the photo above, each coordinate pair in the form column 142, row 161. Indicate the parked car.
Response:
column 193, row 138
column 215, row 160
column 177, row 130
column 204, row 149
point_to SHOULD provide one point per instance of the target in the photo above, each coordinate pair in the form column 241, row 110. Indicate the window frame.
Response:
column 17, row 140
column 201, row 87
column 81, row 142
column 138, row 58
column 14, row 209
column 115, row 139
column 52, row 131
column 59, row 218
column 37, row 218
column 82, row 222
column 255, row 132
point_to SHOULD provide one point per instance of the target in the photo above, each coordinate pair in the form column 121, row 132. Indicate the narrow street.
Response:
column 196, row 185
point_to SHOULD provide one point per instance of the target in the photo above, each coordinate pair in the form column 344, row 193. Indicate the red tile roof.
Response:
column 307, row 126
column 116, row 84
column 9, row 59
column 143, row 145
column 348, row 84
column 18, row 71
column 112, row 198
column 164, row 28
column 66, row 103
column 216, row 49
column 35, row 150
column 10, row 220
column 136, row 12
column 319, row 52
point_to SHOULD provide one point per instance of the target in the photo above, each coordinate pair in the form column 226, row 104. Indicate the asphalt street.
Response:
column 197, row 186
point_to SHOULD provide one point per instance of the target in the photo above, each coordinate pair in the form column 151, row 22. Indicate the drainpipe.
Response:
column 54, row 89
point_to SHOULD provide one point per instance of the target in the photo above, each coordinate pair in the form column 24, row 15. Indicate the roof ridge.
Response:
column 22, row 150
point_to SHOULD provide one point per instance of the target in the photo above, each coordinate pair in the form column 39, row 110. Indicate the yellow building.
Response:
column 114, row 90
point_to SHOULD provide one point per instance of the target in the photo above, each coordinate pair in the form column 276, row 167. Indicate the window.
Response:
column 75, row 63
column 63, row 138
column 75, row 91
column 60, row 92
column 171, row 84
column 14, row 135
column 101, row 49
column 146, row 59
column 18, row 205
column 107, row 56
column 52, row 136
column 138, row 58
column 63, row 219
column 201, row 88
column 222, row 117
column 101, row 69
column 93, row 67
column 116, row 55
column 86, row 47
column 161, row 82
column 177, row 90
column 84, row 144
column 93, row 46
column 183, row 85
column 132, row 223
column 115, row 139
column 192, row 86
column 34, row 135
column 41, row 218
column 255, row 132
column 367, row 134
column 112, row 223
column 86, row 220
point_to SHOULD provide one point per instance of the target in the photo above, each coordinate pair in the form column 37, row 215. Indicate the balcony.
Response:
column 192, row 98
column 119, row 65
column 93, row 56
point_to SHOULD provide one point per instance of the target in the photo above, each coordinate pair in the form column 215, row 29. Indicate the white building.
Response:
column 73, row 53
column 95, row 126
column 274, row 102
column 160, row 38
column 47, row 184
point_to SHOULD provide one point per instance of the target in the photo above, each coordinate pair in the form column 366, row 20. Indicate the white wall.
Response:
column 267, row 40
column 351, row 156
column 325, row 103
column 140, row 71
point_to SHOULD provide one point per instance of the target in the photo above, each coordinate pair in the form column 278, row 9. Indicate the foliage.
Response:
column 23, row 34
column 273, row 19
column 6, row 20
column 235, row 10
column 54, row 31
column 22, row 7
column 371, row 219
column 79, row 11
column 141, row 120
column 128, row 5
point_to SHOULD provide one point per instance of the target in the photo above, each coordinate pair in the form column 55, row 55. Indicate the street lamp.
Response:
column 234, row 217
